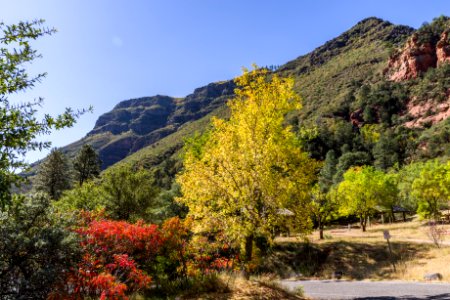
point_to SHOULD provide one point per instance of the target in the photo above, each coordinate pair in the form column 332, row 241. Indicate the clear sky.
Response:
column 106, row 51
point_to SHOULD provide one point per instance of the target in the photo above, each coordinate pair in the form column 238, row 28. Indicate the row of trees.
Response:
column 365, row 190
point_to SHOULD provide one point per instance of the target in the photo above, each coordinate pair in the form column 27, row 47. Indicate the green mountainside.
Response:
column 343, row 85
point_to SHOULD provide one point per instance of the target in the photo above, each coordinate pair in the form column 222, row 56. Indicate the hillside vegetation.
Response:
column 196, row 191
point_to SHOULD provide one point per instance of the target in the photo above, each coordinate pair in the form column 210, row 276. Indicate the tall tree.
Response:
column 54, row 176
column 19, row 125
column 251, row 166
column 350, row 159
column 86, row 164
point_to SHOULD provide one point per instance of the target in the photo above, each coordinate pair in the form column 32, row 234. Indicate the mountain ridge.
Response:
column 330, row 80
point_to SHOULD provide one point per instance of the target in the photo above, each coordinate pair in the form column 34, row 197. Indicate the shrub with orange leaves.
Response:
column 211, row 253
column 174, row 254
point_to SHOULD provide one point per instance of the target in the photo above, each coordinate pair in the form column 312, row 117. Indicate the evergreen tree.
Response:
column 350, row 159
column 86, row 164
column 328, row 171
column 386, row 151
column 54, row 175
column 36, row 248
column 129, row 194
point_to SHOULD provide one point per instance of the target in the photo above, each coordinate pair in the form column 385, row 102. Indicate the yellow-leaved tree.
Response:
column 249, row 171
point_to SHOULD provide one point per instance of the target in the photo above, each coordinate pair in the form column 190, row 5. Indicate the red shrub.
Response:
column 113, row 253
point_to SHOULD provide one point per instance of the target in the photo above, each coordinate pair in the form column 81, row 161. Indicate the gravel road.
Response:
column 385, row 290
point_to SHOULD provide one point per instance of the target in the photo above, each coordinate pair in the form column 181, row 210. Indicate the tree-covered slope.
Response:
column 343, row 85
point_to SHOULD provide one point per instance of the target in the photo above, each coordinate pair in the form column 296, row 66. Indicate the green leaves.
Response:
column 36, row 248
column 362, row 189
column 431, row 188
column 19, row 125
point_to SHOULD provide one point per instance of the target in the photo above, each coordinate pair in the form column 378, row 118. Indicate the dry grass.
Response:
column 261, row 288
column 414, row 231
column 365, row 256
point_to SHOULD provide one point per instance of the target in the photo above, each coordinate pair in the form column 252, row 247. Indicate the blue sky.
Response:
column 106, row 51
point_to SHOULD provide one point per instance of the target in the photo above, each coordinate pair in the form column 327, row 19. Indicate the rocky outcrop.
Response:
column 428, row 112
column 418, row 56
column 412, row 60
column 443, row 49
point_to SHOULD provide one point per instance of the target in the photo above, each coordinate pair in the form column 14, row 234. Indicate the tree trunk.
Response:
column 362, row 222
column 320, row 229
column 248, row 248
column 404, row 217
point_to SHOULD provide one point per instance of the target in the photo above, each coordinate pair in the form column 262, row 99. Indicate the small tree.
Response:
column 116, row 259
column 405, row 179
column 54, row 176
column 36, row 248
column 129, row 194
column 431, row 188
column 86, row 164
column 322, row 208
column 362, row 189
column 87, row 197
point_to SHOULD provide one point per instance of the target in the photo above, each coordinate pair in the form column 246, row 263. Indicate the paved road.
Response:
column 386, row 290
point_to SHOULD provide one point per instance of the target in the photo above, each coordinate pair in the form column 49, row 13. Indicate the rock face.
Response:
column 412, row 60
column 136, row 123
column 417, row 57
column 428, row 112
column 443, row 49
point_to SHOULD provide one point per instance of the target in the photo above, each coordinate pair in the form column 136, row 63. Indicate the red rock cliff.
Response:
column 412, row 60
column 443, row 49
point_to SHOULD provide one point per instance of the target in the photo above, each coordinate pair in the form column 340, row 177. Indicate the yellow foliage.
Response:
column 251, row 165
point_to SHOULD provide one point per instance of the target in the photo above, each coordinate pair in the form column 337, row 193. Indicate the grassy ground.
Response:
column 364, row 255
column 257, row 288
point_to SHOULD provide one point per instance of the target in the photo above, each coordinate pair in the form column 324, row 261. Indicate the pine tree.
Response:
column 328, row 171
column 54, row 175
column 86, row 164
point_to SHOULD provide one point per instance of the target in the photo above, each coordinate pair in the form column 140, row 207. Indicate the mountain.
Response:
column 136, row 123
column 376, row 73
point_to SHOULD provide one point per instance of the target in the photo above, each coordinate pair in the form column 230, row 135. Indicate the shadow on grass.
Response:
column 356, row 260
